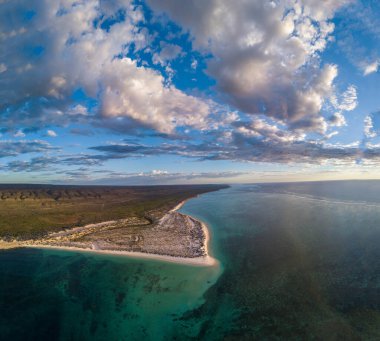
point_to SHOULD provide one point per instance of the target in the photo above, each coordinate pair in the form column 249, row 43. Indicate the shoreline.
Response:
column 196, row 261
column 177, row 207
column 206, row 260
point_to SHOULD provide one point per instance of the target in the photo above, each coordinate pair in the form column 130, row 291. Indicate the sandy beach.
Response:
column 176, row 208
column 197, row 261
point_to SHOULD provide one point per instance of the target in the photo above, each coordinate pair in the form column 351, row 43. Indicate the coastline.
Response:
column 206, row 260
column 177, row 207
column 196, row 261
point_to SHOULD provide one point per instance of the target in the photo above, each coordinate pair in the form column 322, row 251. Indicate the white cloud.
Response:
column 348, row 99
column 265, row 53
column 76, row 52
column 51, row 133
column 261, row 129
column 19, row 133
column 370, row 67
column 158, row 172
column 3, row 68
column 338, row 119
column 194, row 64
column 140, row 94
column 264, row 56
column 168, row 53
column 372, row 125
column 78, row 110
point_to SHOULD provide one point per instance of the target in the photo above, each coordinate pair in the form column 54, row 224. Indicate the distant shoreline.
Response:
column 206, row 260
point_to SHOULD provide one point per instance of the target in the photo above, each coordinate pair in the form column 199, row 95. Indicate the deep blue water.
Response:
column 298, row 262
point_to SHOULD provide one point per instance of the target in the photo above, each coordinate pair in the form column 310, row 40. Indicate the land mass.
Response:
column 145, row 221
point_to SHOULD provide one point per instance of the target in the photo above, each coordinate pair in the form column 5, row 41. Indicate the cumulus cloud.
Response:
column 260, row 129
column 19, row 133
column 159, row 172
column 368, row 127
column 70, row 45
column 194, row 64
column 265, row 53
column 348, row 100
column 372, row 125
column 139, row 93
column 51, row 133
column 371, row 67
column 168, row 53
column 338, row 120
column 264, row 59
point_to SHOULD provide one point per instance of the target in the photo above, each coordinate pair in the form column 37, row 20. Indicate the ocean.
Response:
column 298, row 261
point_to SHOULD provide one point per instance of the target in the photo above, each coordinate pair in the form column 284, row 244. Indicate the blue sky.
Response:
column 162, row 91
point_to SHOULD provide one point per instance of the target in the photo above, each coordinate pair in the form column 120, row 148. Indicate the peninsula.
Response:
column 149, row 227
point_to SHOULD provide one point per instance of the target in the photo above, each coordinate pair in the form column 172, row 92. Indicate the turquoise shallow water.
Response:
column 63, row 295
column 299, row 262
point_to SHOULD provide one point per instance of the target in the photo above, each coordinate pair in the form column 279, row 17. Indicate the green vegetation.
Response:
column 31, row 211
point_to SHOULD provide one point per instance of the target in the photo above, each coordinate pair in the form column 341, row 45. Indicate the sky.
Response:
column 129, row 92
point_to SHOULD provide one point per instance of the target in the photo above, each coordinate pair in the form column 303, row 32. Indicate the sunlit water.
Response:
column 298, row 262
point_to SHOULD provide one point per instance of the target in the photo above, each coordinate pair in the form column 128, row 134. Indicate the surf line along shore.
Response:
column 175, row 238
